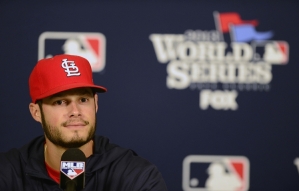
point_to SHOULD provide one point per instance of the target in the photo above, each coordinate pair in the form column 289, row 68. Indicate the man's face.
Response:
column 69, row 117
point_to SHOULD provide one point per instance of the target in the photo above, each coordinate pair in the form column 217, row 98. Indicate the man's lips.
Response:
column 80, row 123
column 75, row 124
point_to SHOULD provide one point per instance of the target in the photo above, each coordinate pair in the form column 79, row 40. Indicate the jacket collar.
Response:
column 104, row 153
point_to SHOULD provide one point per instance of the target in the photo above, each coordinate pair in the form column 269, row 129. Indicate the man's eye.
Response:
column 84, row 99
column 59, row 102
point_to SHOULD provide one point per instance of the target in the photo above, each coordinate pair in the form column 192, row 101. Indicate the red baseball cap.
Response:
column 60, row 73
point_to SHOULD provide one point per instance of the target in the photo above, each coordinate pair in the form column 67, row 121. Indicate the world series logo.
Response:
column 91, row 46
column 204, row 61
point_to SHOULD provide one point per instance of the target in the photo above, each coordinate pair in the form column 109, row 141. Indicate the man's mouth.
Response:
column 75, row 123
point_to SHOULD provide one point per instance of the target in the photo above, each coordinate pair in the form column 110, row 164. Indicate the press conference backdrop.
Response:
column 206, row 90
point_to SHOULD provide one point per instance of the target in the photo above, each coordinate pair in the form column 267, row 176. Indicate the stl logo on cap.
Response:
column 70, row 68
column 56, row 74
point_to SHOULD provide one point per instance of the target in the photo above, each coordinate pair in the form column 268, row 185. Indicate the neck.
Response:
column 53, row 153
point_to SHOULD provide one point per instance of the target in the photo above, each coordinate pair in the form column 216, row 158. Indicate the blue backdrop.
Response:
column 193, row 86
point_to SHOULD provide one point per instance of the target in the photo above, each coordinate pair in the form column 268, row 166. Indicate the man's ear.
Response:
column 35, row 112
column 96, row 101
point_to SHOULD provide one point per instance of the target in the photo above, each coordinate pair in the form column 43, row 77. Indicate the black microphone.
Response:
column 72, row 170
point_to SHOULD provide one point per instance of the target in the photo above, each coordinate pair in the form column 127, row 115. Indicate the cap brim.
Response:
column 56, row 90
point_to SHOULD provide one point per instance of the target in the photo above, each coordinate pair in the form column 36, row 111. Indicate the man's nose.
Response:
column 74, row 109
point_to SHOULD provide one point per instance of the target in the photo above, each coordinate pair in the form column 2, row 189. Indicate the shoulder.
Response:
column 140, row 174
column 124, row 165
column 102, row 144
column 15, row 156
column 120, row 156
column 9, row 157
column 137, row 172
column 14, row 162
column 10, row 166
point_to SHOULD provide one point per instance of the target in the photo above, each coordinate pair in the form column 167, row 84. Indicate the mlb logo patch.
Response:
column 207, row 173
column 72, row 169
column 91, row 46
column 274, row 52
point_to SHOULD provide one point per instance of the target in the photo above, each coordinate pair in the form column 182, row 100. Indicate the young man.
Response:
column 65, row 102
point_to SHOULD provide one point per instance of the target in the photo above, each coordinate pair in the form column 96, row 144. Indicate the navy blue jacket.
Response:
column 110, row 168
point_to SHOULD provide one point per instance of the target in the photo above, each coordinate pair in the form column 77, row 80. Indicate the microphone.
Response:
column 72, row 170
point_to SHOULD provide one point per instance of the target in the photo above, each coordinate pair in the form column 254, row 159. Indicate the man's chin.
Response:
column 73, row 144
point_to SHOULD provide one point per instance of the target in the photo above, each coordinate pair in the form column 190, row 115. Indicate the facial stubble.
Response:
column 56, row 136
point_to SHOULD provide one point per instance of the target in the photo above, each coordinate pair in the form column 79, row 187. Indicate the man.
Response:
column 65, row 102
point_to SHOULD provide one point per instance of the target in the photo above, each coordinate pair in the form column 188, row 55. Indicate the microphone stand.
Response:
column 70, row 185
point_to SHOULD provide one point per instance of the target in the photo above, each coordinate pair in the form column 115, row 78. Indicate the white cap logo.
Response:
column 70, row 68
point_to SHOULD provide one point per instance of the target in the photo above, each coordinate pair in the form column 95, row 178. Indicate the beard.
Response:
column 57, row 138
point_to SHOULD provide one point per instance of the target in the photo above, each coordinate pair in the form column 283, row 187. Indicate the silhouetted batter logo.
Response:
column 215, row 173
column 91, row 46
column 72, row 169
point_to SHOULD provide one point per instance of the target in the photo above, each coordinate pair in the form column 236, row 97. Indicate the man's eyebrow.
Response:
column 78, row 92
column 85, row 92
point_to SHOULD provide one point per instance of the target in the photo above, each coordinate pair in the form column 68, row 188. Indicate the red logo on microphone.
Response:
column 72, row 169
